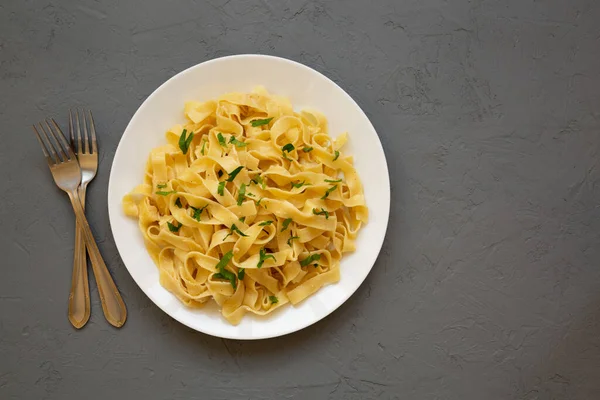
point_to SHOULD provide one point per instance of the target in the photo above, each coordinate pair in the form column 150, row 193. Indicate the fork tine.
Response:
column 49, row 159
column 93, row 131
column 58, row 132
column 79, row 151
column 50, row 144
column 59, row 148
column 86, row 145
column 71, row 132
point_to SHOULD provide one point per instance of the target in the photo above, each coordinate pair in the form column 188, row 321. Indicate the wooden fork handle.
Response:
column 112, row 303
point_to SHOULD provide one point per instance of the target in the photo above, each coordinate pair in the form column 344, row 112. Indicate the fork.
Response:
column 79, row 296
column 67, row 176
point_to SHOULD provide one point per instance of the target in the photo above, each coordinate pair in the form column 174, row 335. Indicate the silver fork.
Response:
column 79, row 297
column 67, row 176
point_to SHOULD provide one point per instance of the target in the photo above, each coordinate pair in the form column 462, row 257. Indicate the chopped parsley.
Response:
column 242, row 219
column 337, row 154
column 261, row 122
column 161, row 193
column 300, row 184
column 322, row 212
column 223, row 273
column 234, row 173
column 178, row 203
column 236, row 230
column 259, row 181
column 161, row 185
column 221, row 188
column 286, row 223
column 241, row 274
column 331, row 189
column 258, row 202
column 333, row 181
column 222, row 141
column 289, row 241
column 274, row 300
column 241, row 194
column 288, row 147
column 264, row 257
column 307, row 149
column 203, row 146
column 236, row 142
column 184, row 143
column 310, row 259
column 265, row 223
column 173, row 228
column 197, row 212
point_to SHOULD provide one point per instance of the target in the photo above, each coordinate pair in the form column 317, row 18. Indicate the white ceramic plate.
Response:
column 305, row 87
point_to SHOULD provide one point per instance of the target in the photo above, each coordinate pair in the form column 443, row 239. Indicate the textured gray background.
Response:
column 488, row 284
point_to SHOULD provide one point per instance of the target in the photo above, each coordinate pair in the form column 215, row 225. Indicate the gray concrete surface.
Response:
column 488, row 284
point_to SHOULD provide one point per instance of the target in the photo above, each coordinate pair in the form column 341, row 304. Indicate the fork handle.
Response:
column 112, row 303
column 79, row 296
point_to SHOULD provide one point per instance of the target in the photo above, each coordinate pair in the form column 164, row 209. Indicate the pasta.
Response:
column 248, row 203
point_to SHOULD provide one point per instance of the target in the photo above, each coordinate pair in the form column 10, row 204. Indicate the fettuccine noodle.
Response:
column 249, row 203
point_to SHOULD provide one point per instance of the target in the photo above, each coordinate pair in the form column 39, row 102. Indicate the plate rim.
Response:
column 378, row 246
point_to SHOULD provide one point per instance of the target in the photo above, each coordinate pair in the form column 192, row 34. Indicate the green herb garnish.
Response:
column 184, row 143
column 333, row 181
column 241, row 274
column 331, row 189
column 223, row 273
column 224, row 261
column 259, row 181
column 258, row 202
column 203, row 146
column 236, row 230
column 322, row 212
column 242, row 219
column 222, row 141
column 197, row 212
column 161, row 185
column 310, row 259
column 221, row 188
column 265, row 223
column 178, row 203
column 174, row 228
column 273, row 299
column 236, row 142
column 241, row 194
column 288, row 147
column 307, row 149
column 286, row 223
column 300, row 184
column 337, row 154
column 289, row 241
column 263, row 257
column 234, row 173
column 161, row 193
column 261, row 122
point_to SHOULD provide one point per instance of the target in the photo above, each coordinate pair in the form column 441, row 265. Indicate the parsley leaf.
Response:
column 173, row 228
column 331, row 189
column 288, row 147
column 224, row 261
column 261, row 122
column 289, row 241
column 286, row 223
column 178, row 203
column 300, row 184
column 241, row 274
column 265, row 223
column 258, row 180
column 307, row 149
column 203, row 146
column 236, row 230
column 221, row 188
column 228, row 276
column 184, row 143
column 222, row 141
column 234, row 173
column 322, row 212
column 274, row 300
column 161, row 185
column 337, row 154
column 264, row 257
column 258, row 202
column 236, row 142
column 241, row 194
column 310, row 259
column 333, row 181
column 161, row 193
column 242, row 219
column 197, row 212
